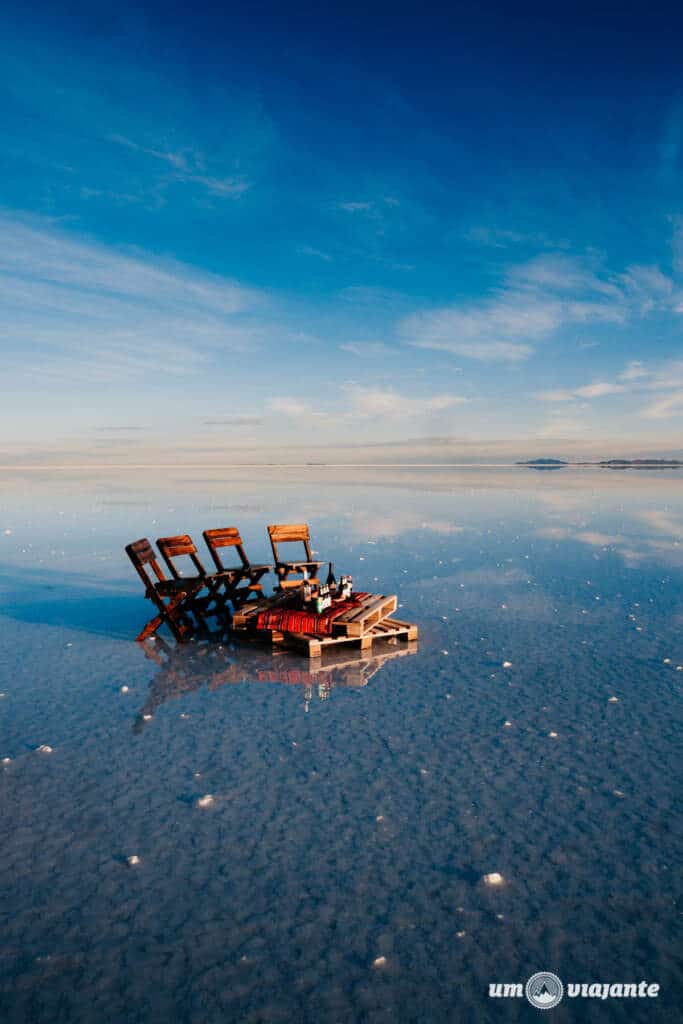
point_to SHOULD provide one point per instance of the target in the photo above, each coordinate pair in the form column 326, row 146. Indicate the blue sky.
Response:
column 293, row 226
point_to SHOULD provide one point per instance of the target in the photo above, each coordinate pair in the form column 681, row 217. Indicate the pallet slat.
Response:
column 372, row 611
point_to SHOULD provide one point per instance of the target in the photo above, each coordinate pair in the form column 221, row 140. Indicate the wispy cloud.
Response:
column 359, row 403
column 536, row 300
column 664, row 408
column 635, row 379
column 308, row 250
column 355, row 207
column 375, row 402
column 598, row 389
column 366, row 349
column 188, row 166
column 634, row 371
column 236, row 421
column 95, row 313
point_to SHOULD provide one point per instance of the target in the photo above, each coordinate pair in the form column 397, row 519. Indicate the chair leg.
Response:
column 150, row 629
column 171, row 614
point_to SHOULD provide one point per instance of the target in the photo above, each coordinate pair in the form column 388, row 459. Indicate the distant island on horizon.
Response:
column 607, row 463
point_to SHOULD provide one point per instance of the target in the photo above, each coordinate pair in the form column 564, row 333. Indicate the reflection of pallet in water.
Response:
column 340, row 667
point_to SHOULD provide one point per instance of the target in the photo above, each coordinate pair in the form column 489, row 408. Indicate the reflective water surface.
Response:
column 337, row 872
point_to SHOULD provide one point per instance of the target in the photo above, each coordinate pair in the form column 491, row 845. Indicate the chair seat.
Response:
column 244, row 570
column 298, row 566
column 173, row 586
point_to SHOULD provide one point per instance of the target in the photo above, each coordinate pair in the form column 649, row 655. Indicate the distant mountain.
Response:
column 606, row 463
column 544, row 463
column 641, row 463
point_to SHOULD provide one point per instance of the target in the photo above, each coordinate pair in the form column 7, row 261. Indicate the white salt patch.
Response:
column 147, row 718
column 444, row 652
column 493, row 879
column 553, row 735
column 7, row 760
column 380, row 817
column 460, row 935
column 617, row 792
column 379, row 961
column 507, row 724
column 613, row 700
column 667, row 661
column 124, row 689
column 507, row 664
column 133, row 860
column 44, row 749
column 205, row 801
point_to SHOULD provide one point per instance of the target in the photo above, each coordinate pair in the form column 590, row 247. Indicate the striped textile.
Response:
column 297, row 620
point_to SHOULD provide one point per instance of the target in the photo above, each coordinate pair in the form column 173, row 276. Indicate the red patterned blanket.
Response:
column 297, row 620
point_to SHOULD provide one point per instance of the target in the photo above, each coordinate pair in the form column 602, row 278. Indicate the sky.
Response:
column 270, row 228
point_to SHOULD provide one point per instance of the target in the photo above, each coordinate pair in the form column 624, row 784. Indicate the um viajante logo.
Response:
column 545, row 990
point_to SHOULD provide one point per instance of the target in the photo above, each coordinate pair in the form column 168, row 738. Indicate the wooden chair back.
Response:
column 176, row 547
column 144, row 559
column 225, row 537
column 290, row 533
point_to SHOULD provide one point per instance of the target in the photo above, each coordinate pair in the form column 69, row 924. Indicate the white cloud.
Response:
column 599, row 389
column 556, row 395
column 360, row 403
column 664, row 408
column 634, row 371
column 387, row 403
column 531, row 306
column 290, row 407
column 636, row 378
column 487, row 333
column 366, row 349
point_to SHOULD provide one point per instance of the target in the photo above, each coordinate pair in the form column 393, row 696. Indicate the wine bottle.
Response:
column 331, row 581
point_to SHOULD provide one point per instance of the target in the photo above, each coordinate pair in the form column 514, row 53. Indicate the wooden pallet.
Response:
column 315, row 645
column 361, row 626
column 358, row 621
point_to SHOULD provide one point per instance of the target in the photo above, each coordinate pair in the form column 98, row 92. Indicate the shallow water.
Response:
column 356, row 807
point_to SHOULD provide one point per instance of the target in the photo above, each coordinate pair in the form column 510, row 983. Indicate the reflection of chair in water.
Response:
column 184, row 669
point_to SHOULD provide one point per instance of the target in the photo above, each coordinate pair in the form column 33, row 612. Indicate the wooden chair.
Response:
column 218, row 584
column 174, row 599
column 247, row 574
column 293, row 533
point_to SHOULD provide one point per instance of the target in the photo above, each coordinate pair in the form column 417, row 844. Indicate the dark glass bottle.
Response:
column 331, row 581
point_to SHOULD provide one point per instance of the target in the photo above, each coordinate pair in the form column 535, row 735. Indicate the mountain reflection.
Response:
column 184, row 669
